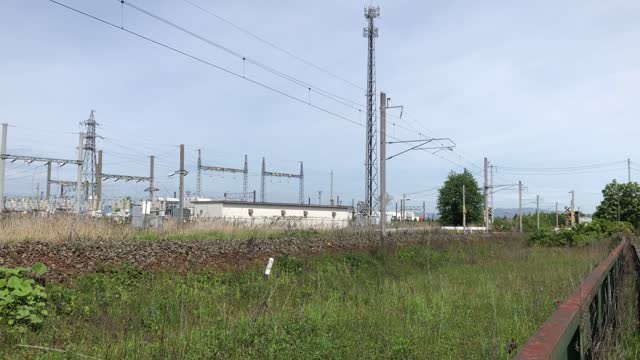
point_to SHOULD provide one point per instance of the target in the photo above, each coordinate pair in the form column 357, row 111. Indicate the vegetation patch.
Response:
column 393, row 303
column 22, row 301
column 580, row 234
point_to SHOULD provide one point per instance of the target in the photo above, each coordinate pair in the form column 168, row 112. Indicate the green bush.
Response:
column 22, row 301
column 581, row 234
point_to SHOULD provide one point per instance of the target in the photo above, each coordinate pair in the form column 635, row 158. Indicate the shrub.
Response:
column 581, row 234
column 22, row 301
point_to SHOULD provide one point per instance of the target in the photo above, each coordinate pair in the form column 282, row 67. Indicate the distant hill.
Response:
column 510, row 213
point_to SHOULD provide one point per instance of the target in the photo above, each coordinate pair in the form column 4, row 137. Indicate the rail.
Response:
column 581, row 324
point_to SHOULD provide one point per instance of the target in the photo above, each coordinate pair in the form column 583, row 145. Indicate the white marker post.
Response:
column 267, row 271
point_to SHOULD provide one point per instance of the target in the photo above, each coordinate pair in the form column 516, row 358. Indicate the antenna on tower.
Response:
column 371, row 154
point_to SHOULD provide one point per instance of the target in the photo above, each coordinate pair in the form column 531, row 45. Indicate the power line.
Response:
column 271, row 44
column 342, row 100
column 203, row 61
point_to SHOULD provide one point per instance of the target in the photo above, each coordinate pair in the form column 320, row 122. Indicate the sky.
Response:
column 542, row 89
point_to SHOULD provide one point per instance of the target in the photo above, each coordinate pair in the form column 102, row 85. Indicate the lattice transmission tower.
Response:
column 371, row 154
column 88, row 190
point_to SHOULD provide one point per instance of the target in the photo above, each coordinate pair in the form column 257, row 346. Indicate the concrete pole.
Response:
column 383, row 163
column 464, row 209
column 331, row 190
column 3, row 151
column 557, row 217
column 629, row 169
column 199, row 174
column 424, row 211
column 79, row 178
column 520, row 206
column 181, row 206
column 319, row 197
column 48, row 193
column 491, row 193
column 538, row 211
column 486, row 194
column 99, row 181
column 151, row 182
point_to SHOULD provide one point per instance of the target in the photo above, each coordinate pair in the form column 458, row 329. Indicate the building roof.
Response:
column 285, row 205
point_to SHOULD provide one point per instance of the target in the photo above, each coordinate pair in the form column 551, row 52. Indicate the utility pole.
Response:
column 3, row 151
column 383, row 163
column 520, row 206
column 538, row 210
column 199, row 175
column 486, row 194
column 557, row 217
column 79, row 179
column 263, row 183
column 48, row 193
column 464, row 210
column 181, row 206
column 331, row 190
column 424, row 211
column 491, row 194
column 319, row 197
column 371, row 33
column 245, row 180
column 99, row 181
column 629, row 169
column 151, row 181
column 403, row 206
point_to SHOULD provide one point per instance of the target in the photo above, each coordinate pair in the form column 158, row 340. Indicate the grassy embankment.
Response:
column 446, row 300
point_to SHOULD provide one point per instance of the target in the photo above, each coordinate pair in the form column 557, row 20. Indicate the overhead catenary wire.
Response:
column 340, row 99
column 273, row 45
column 206, row 62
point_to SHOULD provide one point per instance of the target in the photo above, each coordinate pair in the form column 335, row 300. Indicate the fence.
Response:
column 582, row 325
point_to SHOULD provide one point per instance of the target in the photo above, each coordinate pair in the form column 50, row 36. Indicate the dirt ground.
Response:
column 66, row 259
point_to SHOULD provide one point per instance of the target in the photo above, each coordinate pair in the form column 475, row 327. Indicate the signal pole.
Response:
column 520, row 206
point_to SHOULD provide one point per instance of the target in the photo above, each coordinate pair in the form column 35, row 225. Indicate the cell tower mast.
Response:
column 89, row 163
column 371, row 155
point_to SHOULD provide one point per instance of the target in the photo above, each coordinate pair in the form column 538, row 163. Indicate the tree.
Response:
column 450, row 199
column 620, row 202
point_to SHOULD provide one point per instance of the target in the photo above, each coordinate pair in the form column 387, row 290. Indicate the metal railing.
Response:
column 583, row 323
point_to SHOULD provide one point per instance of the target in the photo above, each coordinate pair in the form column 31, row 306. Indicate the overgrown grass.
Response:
column 446, row 300
column 65, row 228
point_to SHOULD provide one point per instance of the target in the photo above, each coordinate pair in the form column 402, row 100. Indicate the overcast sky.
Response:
column 544, row 84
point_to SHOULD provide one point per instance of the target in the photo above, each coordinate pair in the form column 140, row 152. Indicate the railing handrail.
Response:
column 556, row 334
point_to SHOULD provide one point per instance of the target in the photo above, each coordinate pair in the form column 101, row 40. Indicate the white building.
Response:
column 278, row 214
